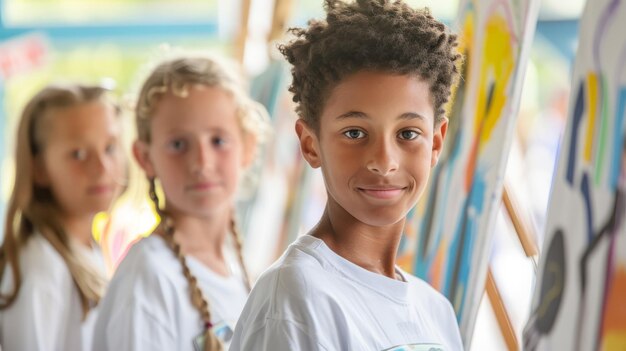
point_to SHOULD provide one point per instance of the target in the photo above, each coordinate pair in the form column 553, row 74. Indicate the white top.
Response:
column 148, row 302
column 47, row 314
column 314, row 299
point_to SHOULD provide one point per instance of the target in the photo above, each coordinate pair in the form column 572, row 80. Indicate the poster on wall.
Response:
column 579, row 300
column 23, row 54
column 449, row 231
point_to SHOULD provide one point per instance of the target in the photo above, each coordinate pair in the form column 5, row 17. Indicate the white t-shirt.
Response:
column 47, row 314
column 148, row 302
column 314, row 299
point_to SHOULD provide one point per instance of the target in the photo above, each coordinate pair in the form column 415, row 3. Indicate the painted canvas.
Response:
column 579, row 301
column 448, row 233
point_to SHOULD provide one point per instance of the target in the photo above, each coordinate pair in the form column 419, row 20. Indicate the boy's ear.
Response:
column 439, row 136
column 142, row 155
column 308, row 143
column 40, row 173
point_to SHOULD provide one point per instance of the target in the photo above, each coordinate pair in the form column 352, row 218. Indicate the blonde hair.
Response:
column 32, row 208
column 177, row 76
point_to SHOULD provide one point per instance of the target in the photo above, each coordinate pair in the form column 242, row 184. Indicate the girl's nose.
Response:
column 203, row 159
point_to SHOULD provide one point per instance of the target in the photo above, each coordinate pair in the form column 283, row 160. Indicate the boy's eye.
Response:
column 408, row 134
column 177, row 145
column 79, row 154
column 354, row 134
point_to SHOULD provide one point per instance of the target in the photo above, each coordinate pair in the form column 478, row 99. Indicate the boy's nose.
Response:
column 383, row 159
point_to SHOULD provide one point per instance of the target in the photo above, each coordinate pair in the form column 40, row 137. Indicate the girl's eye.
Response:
column 354, row 134
column 110, row 149
column 408, row 134
column 218, row 141
column 79, row 154
column 177, row 145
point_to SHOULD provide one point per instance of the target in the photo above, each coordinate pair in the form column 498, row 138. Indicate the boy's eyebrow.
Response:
column 358, row 114
column 412, row 115
column 353, row 114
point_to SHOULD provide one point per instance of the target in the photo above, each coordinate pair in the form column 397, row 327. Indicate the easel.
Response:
column 530, row 249
column 242, row 34
column 280, row 15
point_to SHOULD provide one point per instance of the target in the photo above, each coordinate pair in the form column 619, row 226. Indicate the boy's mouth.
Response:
column 382, row 192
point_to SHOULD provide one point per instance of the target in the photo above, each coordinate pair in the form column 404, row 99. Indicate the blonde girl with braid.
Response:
column 69, row 166
column 183, row 287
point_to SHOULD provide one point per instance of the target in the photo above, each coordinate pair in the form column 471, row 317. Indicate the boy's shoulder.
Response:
column 308, row 268
column 291, row 282
column 295, row 290
column 297, row 271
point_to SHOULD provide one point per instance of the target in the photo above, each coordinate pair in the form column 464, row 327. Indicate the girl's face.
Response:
column 82, row 162
column 197, row 151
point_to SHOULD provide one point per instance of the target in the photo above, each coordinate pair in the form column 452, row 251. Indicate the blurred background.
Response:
column 115, row 42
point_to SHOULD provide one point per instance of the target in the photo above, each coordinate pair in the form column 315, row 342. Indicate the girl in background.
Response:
column 183, row 287
column 69, row 167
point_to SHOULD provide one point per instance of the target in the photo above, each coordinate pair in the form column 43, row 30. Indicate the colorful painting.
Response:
column 448, row 233
column 579, row 299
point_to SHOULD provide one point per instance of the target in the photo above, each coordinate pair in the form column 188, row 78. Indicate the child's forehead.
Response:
column 378, row 85
column 380, row 95
column 195, row 96
column 353, row 83
column 84, row 121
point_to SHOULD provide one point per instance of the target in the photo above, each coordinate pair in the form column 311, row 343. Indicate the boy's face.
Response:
column 376, row 145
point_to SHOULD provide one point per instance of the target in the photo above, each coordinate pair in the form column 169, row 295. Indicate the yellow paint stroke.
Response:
column 614, row 323
column 466, row 47
column 498, row 63
column 592, row 89
column 497, row 68
column 466, row 37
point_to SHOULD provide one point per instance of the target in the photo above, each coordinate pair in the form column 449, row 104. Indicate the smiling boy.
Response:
column 370, row 82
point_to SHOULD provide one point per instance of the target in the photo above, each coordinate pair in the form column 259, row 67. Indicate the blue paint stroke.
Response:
column 618, row 138
column 585, row 190
column 458, row 268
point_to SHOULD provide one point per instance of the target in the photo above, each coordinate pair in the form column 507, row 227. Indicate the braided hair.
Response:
column 198, row 300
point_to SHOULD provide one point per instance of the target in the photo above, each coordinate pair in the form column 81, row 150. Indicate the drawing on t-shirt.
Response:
column 417, row 347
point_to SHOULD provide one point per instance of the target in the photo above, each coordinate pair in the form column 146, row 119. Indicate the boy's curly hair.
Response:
column 376, row 35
